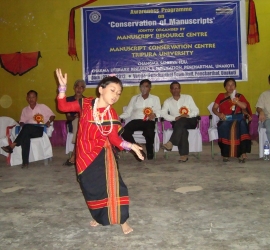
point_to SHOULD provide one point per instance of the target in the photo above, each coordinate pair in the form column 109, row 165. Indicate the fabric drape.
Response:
column 253, row 28
column 19, row 63
column 71, row 30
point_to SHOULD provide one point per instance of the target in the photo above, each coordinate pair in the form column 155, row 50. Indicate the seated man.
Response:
column 181, row 110
column 73, row 117
column 263, row 109
column 32, row 114
column 142, row 109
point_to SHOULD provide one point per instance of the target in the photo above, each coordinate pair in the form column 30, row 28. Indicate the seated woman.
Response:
column 231, row 107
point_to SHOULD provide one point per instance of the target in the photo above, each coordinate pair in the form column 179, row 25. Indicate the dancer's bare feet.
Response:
column 126, row 228
column 93, row 223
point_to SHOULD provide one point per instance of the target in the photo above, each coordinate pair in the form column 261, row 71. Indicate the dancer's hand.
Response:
column 137, row 149
column 61, row 79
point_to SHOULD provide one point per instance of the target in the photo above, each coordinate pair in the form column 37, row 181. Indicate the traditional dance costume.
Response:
column 105, row 193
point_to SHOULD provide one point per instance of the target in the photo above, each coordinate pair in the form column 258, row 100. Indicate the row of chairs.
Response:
column 195, row 137
column 41, row 148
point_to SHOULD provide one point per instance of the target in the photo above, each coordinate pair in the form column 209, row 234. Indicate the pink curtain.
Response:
column 59, row 134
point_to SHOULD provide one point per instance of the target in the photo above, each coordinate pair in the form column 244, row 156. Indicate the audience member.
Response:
column 182, row 112
column 33, row 114
column 234, row 139
column 263, row 109
column 142, row 109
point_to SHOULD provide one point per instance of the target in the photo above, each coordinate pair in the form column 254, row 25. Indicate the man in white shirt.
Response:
column 263, row 109
column 182, row 112
column 142, row 110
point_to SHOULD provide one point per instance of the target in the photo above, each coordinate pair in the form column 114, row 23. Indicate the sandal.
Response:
column 242, row 159
column 183, row 159
column 25, row 165
column 7, row 149
column 68, row 163
column 225, row 159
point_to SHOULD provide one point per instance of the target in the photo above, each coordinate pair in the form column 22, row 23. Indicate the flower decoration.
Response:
column 184, row 110
column 147, row 111
column 38, row 118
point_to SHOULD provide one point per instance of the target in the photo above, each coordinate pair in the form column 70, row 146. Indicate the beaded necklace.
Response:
column 99, row 118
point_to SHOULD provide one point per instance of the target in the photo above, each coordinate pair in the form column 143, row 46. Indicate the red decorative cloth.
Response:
column 19, row 63
column 71, row 31
column 253, row 28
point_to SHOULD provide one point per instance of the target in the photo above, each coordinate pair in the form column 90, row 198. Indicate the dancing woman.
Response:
column 105, row 193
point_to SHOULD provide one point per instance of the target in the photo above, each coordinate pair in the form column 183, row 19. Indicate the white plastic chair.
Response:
column 262, row 138
column 6, row 125
column 212, row 130
column 138, row 135
column 40, row 148
column 194, row 138
column 69, row 144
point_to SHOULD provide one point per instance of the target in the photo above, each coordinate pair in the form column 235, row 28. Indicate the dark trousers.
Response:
column 179, row 136
column 23, row 139
column 148, row 128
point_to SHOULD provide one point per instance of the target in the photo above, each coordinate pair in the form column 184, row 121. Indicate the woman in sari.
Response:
column 105, row 193
column 231, row 107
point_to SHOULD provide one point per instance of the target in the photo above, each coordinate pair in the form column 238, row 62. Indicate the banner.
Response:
column 190, row 42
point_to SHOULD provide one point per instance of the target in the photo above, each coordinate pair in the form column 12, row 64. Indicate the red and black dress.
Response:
column 105, row 193
column 233, row 134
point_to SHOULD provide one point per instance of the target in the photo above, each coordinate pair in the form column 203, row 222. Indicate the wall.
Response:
column 31, row 25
